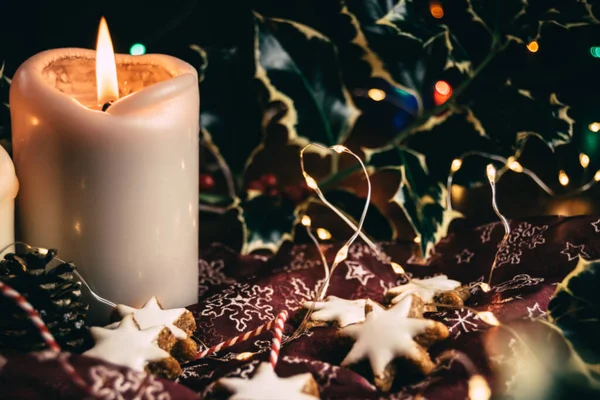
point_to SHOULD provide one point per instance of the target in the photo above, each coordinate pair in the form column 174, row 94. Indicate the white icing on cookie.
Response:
column 384, row 336
column 426, row 289
column 345, row 312
column 127, row 345
column 152, row 314
column 266, row 385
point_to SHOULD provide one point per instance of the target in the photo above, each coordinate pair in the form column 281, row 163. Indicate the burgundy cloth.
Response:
column 238, row 293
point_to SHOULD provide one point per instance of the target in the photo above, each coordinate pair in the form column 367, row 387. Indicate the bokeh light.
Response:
column 376, row 94
column 442, row 92
column 595, row 51
column 584, row 160
column 594, row 126
column 137, row 49
column 563, row 178
column 533, row 46
column 436, row 10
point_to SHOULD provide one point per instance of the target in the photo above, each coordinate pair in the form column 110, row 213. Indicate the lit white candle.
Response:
column 116, row 191
column 9, row 186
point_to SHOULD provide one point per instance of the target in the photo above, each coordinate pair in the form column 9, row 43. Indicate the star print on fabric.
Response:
column 266, row 385
column 389, row 334
column 596, row 226
column 127, row 345
column 572, row 251
column 426, row 289
column 152, row 314
column 464, row 256
column 536, row 313
column 344, row 312
column 357, row 271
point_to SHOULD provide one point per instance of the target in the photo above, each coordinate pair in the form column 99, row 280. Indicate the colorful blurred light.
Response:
column 442, row 92
column 137, row 49
column 594, row 126
column 436, row 10
column 533, row 46
column 595, row 51
column 376, row 94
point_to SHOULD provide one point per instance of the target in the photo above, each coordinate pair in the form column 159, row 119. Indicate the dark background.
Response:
column 564, row 60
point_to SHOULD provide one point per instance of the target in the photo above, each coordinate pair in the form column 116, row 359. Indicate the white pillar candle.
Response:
column 116, row 192
column 9, row 186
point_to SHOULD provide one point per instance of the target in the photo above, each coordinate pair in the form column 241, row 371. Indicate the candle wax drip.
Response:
column 76, row 77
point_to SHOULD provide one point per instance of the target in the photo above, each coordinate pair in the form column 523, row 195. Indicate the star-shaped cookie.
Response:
column 391, row 335
column 127, row 345
column 343, row 312
column 266, row 385
column 152, row 314
column 426, row 289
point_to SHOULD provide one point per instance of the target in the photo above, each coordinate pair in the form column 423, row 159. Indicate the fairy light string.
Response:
column 491, row 175
column 342, row 253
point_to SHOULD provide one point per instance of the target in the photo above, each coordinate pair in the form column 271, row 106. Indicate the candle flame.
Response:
column 106, row 67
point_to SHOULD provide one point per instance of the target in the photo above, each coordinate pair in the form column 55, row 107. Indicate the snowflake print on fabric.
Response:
column 211, row 274
column 462, row 321
column 299, row 260
column 194, row 372
column 464, row 256
column 517, row 282
column 357, row 271
column 111, row 384
column 323, row 372
column 572, row 251
column 241, row 303
column 295, row 292
column 523, row 236
column 486, row 231
column 535, row 313
column 596, row 226
column 359, row 250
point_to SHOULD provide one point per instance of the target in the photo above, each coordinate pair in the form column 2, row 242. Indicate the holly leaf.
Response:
column 575, row 310
column 233, row 103
column 301, row 65
column 519, row 113
column 423, row 200
column 523, row 20
column 268, row 222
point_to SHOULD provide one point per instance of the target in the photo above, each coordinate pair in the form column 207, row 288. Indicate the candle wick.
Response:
column 106, row 105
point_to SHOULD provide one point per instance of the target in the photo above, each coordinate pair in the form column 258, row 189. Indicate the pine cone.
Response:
column 55, row 294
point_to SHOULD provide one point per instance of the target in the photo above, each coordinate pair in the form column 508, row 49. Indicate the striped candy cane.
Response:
column 35, row 318
column 277, row 335
column 238, row 339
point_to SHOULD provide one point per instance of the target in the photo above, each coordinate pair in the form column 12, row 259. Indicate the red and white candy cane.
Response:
column 35, row 318
column 238, row 339
column 277, row 335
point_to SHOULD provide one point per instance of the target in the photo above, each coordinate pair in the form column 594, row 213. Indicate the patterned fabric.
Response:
column 239, row 293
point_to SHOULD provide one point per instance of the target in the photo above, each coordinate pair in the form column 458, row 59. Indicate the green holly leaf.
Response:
column 575, row 310
column 301, row 65
column 422, row 198
column 519, row 113
column 268, row 222
column 233, row 103
column 523, row 21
